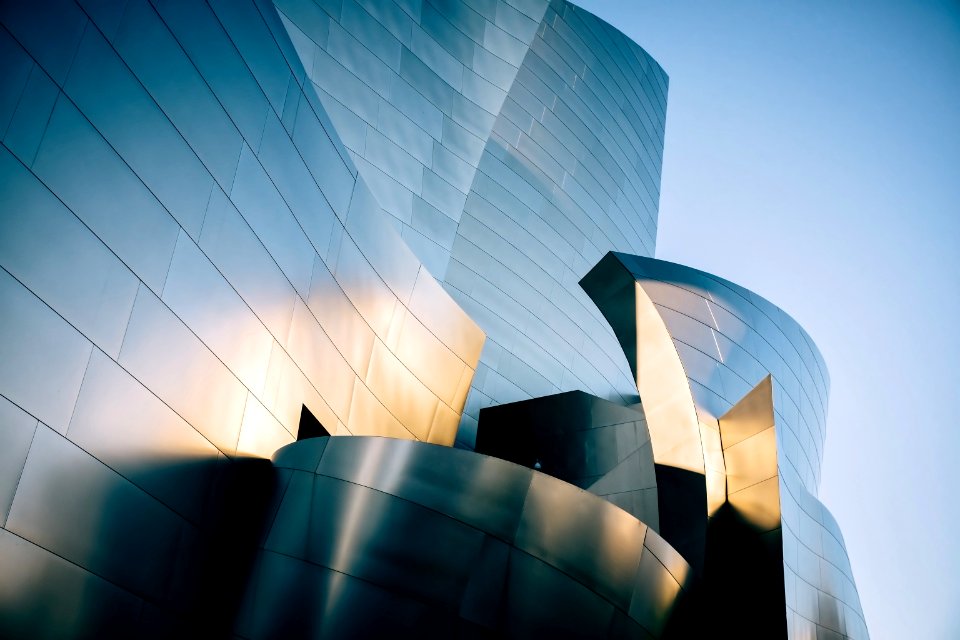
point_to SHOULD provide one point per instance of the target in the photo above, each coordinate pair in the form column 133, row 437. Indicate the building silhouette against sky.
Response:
column 227, row 227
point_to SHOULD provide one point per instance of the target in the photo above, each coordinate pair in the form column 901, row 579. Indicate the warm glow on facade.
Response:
column 233, row 232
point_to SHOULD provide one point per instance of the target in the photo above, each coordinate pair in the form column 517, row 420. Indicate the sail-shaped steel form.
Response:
column 735, row 390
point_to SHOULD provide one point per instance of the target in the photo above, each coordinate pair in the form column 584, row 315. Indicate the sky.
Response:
column 813, row 156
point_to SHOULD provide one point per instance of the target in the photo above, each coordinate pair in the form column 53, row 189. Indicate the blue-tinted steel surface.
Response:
column 217, row 215
column 513, row 143
column 727, row 340
column 377, row 534
column 188, row 258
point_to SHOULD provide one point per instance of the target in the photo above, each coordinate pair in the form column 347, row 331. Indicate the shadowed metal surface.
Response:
column 589, row 442
column 437, row 542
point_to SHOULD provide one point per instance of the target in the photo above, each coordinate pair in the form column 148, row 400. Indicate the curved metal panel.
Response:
column 219, row 217
column 430, row 546
column 748, row 366
column 589, row 442
column 413, row 89
column 261, row 253
column 688, row 493
column 512, row 145
column 570, row 171
column 188, row 258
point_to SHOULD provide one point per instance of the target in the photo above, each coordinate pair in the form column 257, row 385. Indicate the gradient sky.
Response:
column 813, row 156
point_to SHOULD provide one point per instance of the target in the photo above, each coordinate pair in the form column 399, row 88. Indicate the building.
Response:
column 228, row 226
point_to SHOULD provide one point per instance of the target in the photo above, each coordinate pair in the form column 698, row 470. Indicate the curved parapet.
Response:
column 513, row 144
column 589, row 442
column 758, row 388
column 374, row 536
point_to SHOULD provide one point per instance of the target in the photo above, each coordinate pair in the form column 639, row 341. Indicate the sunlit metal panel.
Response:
column 758, row 387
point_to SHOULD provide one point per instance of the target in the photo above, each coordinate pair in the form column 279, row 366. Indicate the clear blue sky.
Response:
column 813, row 155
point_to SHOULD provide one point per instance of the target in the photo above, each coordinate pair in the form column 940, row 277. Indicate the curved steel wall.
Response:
column 188, row 257
column 413, row 89
column 745, row 338
column 514, row 143
column 571, row 171
column 727, row 340
column 374, row 535
column 593, row 444
column 215, row 214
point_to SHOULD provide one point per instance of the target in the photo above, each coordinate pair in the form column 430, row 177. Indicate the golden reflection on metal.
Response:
column 682, row 434
column 669, row 558
column 664, row 386
column 759, row 504
column 680, row 443
column 584, row 536
column 748, row 431
column 419, row 371
column 659, row 374
column 715, row 468
column 445, row 319
column 434, row 364
column 665, row 391
column 368, row 416
column 749, row 416
column 260, row 433
column 405, row 396
column 660, row 595
column 751, row 461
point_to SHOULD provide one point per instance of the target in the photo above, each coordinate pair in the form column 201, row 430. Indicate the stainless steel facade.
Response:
column 189, row 257
column 735, row 390
column 589, row 442
column 513, row 143
column 219, row 219
column 375, row 533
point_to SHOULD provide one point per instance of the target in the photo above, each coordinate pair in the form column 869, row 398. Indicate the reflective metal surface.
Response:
column 570, row 171
column 589, row 442
column 375, row 535
column 218, row 217
column 251, row 253
column 188, row 259
column 690, row 489
column 708, row 350
column 513, row 144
